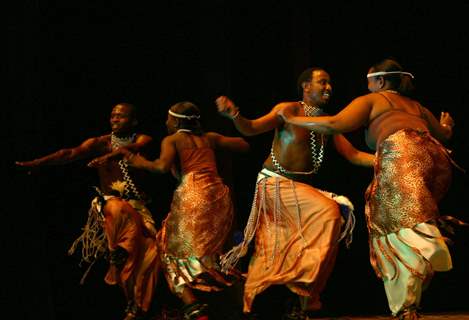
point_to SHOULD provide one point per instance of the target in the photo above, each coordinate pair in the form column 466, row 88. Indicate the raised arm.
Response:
column 247, row 127
column 443, row 129
column 352, row 117
column 86, row 149
column 161, row 165
column 349, row 152
column 236, row 144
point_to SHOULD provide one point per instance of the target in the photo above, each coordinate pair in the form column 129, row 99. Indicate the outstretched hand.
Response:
column 226, row 107
column 446, row 119
column 135, row 160
column 30, row 166
column 99, row 161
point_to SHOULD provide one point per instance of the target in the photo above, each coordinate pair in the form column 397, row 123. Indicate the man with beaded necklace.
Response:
column 297, row 226
column 118, row 221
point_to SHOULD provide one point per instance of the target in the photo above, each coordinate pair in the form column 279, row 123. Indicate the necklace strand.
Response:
column 130, row 187
column 317, row 156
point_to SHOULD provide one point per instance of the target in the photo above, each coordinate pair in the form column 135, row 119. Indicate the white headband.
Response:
column 178, row 115
column 382, row 73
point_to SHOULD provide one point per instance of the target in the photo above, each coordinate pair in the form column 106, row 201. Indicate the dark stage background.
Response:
column 69, row 62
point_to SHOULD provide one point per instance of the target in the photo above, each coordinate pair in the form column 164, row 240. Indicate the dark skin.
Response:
column 292, row 143
column 176, row 141
column 122, row 125
column 361, row 111
column 365, row 108
column 168, row 160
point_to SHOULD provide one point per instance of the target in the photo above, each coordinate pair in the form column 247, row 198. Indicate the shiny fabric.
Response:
column 197, row 226
column 129, row 225
column 296, row 240
column 412, row 173
column 406, row 270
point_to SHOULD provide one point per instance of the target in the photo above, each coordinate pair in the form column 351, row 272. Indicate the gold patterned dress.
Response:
column 197, row 226
column 412, row 173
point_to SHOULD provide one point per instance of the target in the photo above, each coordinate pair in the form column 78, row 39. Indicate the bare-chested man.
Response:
column 118, row 219
column 296, row 226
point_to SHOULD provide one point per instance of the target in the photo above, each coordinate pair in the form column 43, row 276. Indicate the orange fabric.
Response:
column 198, row 224
column 412, row 173
column 296, row 249
column 197, row 159
column 124, row 227
column 407, row 260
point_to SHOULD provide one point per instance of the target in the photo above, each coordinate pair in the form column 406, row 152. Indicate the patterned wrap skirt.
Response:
column 195, row 231
column 412, row 173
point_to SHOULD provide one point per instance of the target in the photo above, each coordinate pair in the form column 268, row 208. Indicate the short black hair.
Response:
column 132, row 109
column 306, row 76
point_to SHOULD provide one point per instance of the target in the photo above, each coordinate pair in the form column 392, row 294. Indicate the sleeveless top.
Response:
column 197, row 159
column 391, row 121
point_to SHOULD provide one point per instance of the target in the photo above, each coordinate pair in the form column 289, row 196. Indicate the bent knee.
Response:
column 115, row 206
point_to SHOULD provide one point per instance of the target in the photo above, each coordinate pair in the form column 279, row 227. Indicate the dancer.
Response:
column 411, row 174
column 119, row 224
column 201, row 213
column 297, row 226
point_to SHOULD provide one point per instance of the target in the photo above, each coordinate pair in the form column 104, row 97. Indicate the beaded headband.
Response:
column 178, row 115
column 382, row 73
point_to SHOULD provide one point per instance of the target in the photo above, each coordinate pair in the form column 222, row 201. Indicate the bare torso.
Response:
column 111, row 172
column 292, row 146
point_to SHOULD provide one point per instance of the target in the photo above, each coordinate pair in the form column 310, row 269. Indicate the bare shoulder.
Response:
column 99, row 140
column 287, row 105
column 369, row 97
column 143, row 138
column 368, row 100
column 172, row 138
column 96, row 144
column 213, row 136
column 143, row 135
column 104, row 137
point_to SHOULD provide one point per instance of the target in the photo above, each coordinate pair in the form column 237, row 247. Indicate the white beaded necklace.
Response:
column 317, row 156
column 117, row 142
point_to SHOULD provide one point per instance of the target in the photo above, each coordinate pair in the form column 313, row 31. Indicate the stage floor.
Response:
column 424, row 316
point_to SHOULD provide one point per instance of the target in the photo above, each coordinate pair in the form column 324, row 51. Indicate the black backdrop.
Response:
column 69, row 62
